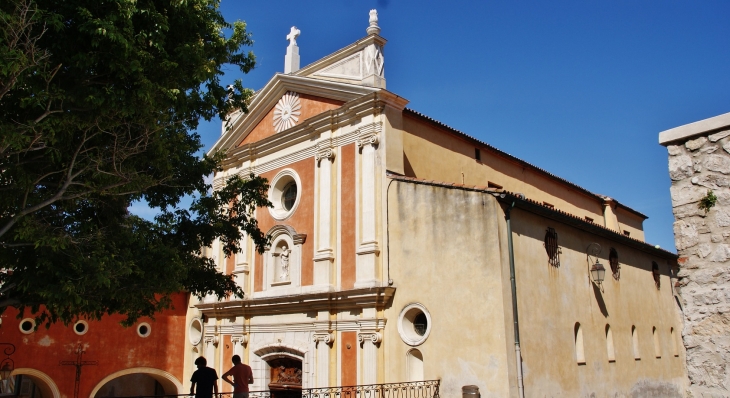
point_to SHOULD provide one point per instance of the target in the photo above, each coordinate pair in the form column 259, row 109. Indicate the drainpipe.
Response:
column 518, row 355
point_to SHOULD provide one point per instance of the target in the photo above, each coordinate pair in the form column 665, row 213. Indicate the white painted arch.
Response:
column 41, row 380
column 170, row 383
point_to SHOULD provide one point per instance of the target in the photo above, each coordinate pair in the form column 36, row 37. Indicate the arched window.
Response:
column 655, row 273
column 635, row 342
column 613, row 262
column 609, row 345
column 414, row 364
column 675, row 345
column 580, row 355
column 657, row 346
column 551, row 247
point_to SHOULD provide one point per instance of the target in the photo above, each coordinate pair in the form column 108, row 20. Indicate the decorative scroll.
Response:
column 325, row 337
column 374, row 337
column 369, row 135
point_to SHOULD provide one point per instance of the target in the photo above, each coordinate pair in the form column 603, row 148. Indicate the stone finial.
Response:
column 291, row 60
column 373, row 29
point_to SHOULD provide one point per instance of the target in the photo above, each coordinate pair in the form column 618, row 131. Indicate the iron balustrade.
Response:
column 413, row 389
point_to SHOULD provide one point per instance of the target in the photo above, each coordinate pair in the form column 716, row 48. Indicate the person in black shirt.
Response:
column 205, row 378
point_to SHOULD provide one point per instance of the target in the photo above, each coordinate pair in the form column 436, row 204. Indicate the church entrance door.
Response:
column 286, row 378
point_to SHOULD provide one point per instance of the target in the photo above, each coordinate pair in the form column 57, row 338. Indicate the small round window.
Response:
column 27, row 326
column 81, row 327
column 289, row 196
column 285, row 194
column 414, row 324
column 144, row 329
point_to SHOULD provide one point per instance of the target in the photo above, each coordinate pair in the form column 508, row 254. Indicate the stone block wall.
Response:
column 700, row 162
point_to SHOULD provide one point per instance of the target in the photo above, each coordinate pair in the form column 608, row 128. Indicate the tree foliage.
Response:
column 99, row 102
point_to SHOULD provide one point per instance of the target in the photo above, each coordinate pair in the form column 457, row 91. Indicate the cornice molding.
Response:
column 366, row 105
column 268, row 96
column 342, row 300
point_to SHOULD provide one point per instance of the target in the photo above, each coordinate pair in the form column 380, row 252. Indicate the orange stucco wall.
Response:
column 114, row 347
column 302, row 220
column 311, row 106
column 349, row 359
column 227, row 364
column 347, row 217
column 432, row 152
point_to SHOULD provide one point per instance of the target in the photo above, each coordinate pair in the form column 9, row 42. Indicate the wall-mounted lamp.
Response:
column 597, row 270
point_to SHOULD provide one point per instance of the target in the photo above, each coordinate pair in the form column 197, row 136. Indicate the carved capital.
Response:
column 211, row 340
column 324, row 151
column 325, row 337
column 240, row 339
column 372, row 336
column 369, row 135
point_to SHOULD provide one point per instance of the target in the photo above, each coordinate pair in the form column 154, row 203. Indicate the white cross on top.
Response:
column 292, row 36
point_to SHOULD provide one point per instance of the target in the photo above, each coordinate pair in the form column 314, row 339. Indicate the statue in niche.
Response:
column 284, row 258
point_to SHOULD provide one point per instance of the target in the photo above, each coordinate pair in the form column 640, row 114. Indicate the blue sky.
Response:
column 579, row 88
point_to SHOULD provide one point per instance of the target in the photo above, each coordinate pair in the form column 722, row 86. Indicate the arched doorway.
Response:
column 282, row 371
column 137, row 382
column 30, row 383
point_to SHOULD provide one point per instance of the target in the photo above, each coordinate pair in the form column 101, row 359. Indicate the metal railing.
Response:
column 413, row 389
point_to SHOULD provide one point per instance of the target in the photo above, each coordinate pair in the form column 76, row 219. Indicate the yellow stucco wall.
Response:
column 448, row 251
column 552, row 299
column 433, row 153
column 444, row 254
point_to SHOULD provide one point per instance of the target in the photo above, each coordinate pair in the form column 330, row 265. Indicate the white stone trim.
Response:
column 81, row 322
column 280, row 181
column 166, row 379
column 195, row 340
column 342, row 326
column 405, row 324
column 139, row 331
column 47, row 385
column 272, row 92
column 20, row 325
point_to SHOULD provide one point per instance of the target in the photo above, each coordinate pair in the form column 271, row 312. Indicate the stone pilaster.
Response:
column 324, row 341
column 368, row 248
column 238, row 343
column 699, row 162
column 370, row 341
column 324, row 256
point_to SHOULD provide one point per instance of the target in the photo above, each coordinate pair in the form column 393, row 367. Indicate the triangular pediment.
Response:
column 354, row 64
column 261, row 120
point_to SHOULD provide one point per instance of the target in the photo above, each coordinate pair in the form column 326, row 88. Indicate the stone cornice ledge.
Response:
column 342, row 300
column 344, row 115
column 693, row 129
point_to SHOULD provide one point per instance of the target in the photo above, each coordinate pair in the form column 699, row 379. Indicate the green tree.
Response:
column 99, row 102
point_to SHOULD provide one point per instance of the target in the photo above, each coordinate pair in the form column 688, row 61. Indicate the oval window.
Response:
column 81, row 327
column 27, row 326
column 144, row 329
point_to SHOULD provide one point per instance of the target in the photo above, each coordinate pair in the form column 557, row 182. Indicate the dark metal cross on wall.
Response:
column 78, row 363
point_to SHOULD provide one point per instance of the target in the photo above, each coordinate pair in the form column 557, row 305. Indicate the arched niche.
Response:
column 170, row 384
column 41, row 380
column 283, row 258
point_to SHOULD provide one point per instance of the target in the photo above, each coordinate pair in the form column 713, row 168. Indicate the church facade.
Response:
column 405, row 250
